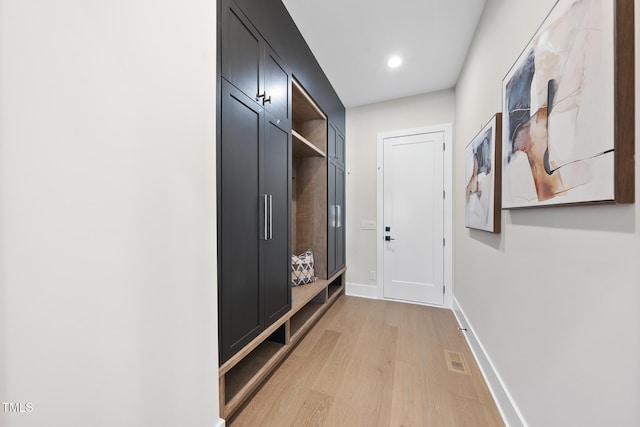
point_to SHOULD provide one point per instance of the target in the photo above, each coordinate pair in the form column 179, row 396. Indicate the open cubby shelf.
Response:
column 302, row 147
column 309, row 122
column 334, row 289
column 245, row 372
column 305, row 109
column 306, row 315
column 309, row 173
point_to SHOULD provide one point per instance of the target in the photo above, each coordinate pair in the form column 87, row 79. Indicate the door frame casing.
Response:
column 447, row 130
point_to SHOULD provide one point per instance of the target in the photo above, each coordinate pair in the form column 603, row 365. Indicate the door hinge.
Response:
column 443, row 194
column 443, row 241
column 443, row 290
column 444, row 144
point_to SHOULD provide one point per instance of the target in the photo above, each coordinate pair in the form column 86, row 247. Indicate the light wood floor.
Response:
column 375, row 363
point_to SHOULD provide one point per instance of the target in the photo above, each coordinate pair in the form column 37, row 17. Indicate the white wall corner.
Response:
column 511, row 415
column 362, row 291
column 220, row 423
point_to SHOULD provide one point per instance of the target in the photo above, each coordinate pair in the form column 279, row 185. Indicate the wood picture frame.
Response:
column 483, row 178
column 568, row 109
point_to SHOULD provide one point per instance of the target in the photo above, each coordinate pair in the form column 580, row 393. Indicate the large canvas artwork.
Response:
column 567, row 112
column 482, row 178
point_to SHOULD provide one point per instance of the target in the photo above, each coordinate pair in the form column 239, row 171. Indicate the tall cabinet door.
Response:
column 241, row 314
column 276, row 254
column 340, row 216
column 333, row 218
column 336, row 231
column 336, row 199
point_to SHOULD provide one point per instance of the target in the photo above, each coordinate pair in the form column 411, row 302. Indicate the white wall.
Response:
column 108, row 312
column 363, row 125
column 555, row 298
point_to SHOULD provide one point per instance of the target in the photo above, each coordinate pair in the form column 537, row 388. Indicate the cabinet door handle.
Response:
column 270, row 216
column 339, row 216
column 260, row 95
column 332, row 215
column 265, row 100
column 265, row 219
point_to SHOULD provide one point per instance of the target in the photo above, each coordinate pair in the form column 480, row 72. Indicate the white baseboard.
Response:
column 362, row 291
column 507, row 407
column 220, row 423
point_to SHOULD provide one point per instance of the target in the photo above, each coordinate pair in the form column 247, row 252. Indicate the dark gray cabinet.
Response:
column 336, row 200
column 336, row 215
column 251, row 65
column 254, row 190
column 254, row 220
column 276, row 250
column 280, row 189
column 256, row 165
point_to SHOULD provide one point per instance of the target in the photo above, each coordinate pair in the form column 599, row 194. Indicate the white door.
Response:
column 413, row 218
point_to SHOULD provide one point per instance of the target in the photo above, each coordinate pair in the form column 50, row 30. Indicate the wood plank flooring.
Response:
column 375, row 363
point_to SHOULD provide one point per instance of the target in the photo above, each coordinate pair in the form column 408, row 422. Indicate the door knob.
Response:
column 388, row 238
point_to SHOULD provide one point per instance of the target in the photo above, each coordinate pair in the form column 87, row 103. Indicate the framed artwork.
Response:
column 568, row 109
column 482, row 178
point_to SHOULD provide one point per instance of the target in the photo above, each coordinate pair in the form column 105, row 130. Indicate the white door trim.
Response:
column 448, row 205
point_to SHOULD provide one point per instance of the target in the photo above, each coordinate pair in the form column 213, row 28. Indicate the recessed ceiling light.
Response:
column 394, row 62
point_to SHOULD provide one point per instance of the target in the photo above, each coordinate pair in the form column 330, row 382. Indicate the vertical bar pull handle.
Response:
column 270, row 216
column 339, row 216
column 265, row 229
column 332, row 215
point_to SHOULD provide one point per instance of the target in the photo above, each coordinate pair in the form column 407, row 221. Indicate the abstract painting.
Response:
column 565, row 116
column 482, row 178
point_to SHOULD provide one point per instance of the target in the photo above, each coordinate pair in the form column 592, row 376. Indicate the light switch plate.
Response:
column 369, row 224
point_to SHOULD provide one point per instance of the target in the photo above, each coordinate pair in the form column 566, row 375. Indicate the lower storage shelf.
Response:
column 242, row 375
column 303, row 317
column 335, row 287
column 249, row 368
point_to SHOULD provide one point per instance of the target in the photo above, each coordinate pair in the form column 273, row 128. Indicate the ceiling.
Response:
column 353, row 40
